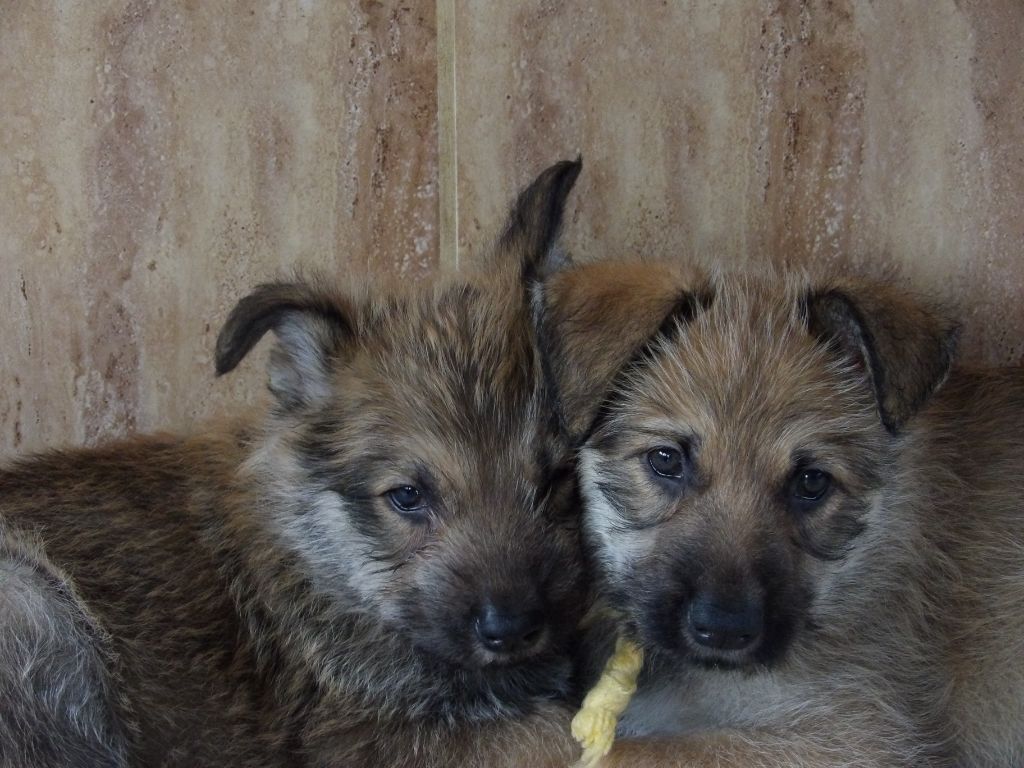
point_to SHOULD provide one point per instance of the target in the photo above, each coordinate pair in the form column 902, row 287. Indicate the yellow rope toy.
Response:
column 594, row 725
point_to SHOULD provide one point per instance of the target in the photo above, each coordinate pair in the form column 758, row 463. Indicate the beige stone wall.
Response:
column 845, row 134
column 158, row 158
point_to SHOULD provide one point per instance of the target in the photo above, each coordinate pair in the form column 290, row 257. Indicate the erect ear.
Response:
column 596, row 320
column 536, row 218
column 905, row 349
column 311, row 324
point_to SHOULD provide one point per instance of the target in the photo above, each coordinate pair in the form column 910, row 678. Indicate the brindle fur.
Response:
column 895, row 611
column 247, row 596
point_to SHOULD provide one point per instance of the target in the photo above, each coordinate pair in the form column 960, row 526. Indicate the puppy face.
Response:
column 734, row 469
column 737, row 462
column 414, row 466
column 440, row 483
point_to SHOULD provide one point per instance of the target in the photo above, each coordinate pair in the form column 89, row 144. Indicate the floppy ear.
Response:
column 904, row 348
column 310, row 323
column 596, row 320
column 531, row 231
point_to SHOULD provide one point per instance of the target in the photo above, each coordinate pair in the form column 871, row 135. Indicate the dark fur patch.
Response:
column 536, row 218
column 659, row 588
column 264, row 309
column 905, row 351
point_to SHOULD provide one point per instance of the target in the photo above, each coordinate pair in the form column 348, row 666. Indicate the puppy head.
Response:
column 415, row 470
column 737, row 459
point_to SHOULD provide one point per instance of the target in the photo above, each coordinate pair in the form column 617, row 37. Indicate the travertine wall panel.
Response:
column 159, row 158
column 842, row 135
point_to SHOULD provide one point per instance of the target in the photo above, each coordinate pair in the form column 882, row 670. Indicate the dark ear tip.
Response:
column 560, row 177
column 223, row 360
column 576, row 163
column 221, row 366
column 248, row 320
column 537, row 213
column 567, row 172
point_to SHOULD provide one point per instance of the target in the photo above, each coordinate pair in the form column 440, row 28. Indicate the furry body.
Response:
column 893, row 606
column 307, row 588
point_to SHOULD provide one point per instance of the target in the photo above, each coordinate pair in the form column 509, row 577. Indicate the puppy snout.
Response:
column 508, row 627
column 725, row 624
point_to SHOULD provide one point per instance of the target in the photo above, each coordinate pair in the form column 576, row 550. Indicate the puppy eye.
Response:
column 666, row 462
column 407, row 499
column 810, row 486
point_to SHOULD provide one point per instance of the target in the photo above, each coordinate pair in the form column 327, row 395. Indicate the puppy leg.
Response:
column 56, row 700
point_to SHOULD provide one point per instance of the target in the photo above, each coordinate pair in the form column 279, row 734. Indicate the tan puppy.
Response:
column 817, row 538
column 382, row 571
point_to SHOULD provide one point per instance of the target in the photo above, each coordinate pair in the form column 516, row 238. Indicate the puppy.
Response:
column 817, row 537
column 384, row 570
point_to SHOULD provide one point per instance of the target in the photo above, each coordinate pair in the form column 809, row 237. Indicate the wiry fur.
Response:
column 899, row 603
column 249, row 596
column 55, row 677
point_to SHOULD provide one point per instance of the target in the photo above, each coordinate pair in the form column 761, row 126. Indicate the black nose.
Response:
column 725, row 625
column 508, row 629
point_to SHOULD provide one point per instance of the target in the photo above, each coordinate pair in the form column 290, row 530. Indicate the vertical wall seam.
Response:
column 447, row 130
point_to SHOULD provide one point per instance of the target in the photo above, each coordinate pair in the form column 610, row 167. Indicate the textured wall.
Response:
column 841, row 133
column 156, row 159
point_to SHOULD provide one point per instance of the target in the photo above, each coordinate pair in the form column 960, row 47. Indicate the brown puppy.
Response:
column 383, row 571
column 817, row 538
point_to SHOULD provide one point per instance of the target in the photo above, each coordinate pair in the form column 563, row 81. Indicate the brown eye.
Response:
column 407, row 499
column 666, row 462
column 810, row 486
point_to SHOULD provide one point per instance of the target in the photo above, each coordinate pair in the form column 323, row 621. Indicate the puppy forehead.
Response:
column 442, row 375
column 745, row 374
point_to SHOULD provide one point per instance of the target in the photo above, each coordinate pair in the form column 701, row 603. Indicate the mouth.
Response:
column 515, row 678
column 719, row 659
column 533, row 645
column 468, row 651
